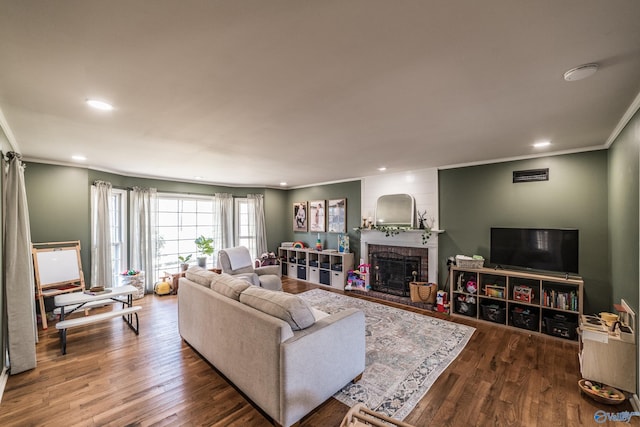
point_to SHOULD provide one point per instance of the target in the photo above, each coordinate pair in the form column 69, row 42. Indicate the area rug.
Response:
column 393, row 298
column 405, row 353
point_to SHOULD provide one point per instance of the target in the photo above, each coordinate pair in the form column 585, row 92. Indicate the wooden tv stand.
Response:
column 542, row 303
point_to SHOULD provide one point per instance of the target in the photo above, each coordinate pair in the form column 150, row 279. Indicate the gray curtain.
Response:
column 101, row 263
column 261, row 229
column 18, row 269
column 144, row 212
column 224, row 210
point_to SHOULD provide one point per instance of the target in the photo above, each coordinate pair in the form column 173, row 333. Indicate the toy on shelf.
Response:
column 357, row 279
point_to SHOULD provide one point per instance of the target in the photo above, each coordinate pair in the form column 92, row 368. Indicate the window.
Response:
column 118, row 217
column 181, row 219
column 245, row 225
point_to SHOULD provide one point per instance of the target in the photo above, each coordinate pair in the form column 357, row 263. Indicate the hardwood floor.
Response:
column 111, row 377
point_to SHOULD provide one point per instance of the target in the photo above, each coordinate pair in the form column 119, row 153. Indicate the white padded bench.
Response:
column 89, row 305
column 63, row 325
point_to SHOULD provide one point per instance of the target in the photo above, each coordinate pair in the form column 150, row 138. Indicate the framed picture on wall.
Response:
column 316, row 216
column 337, row 216
column 300, row 216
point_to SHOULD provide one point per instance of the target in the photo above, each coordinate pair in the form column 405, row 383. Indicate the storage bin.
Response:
column 561, row 326
column 469, row 263
column 325, row 265
column 325, row 277
column 524, row 319
column 336, row 267
column 493, row 313
column 302, row 272
column 302, row 261
column 313, row 263
column 463, row 306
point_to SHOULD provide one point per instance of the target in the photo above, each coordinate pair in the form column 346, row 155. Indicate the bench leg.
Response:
column 63, row 340
column 129, row 320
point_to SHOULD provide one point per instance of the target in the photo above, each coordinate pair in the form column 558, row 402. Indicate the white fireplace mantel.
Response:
column 405, row 238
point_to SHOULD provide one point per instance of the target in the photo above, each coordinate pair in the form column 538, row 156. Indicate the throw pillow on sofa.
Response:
column 229, row 286
column 200, row 275
column 287, row 307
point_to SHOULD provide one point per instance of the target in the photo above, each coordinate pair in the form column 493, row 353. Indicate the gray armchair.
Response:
column 237, row 262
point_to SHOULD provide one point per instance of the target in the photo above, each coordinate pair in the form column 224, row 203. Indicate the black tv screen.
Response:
column 549, row 249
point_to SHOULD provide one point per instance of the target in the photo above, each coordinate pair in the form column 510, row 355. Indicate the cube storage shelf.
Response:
column 541, row 303
column 325, row 268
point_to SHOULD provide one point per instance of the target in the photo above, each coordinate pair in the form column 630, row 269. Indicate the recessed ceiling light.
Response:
column 283, row 184
column 581, row 72
column 78, row 158
column 382, row 169
column 197, row 178
column 99, row 105
column 542, row 144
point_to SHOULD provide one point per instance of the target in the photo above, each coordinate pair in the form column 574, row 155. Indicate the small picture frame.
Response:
column 300, row 216
column 337, row 216
column 316, row 216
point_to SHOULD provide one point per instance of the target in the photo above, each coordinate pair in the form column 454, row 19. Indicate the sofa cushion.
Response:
column 287, row 307
column 229, row 286
column 200, row 275
column 317, row 314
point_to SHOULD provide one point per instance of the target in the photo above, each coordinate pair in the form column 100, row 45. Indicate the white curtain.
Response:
column 18, row 270
column 143, row 248
column 224, row 210
column 101, row 261
column 259, row 222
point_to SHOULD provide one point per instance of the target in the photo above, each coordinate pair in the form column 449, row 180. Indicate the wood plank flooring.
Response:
column 111, row 377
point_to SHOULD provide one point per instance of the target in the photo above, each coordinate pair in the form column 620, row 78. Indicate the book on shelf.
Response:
column 561, row 300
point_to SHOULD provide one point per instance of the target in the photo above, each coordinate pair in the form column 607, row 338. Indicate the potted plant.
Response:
column 205, row 249
column 184, row 261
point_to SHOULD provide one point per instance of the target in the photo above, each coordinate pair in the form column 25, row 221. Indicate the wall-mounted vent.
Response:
column 531, row 175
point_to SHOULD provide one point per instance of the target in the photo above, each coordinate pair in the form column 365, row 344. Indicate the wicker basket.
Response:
column 469, row 263
column 423, row 292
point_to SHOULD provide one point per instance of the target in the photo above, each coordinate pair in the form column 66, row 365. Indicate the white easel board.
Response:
column 58, row 266
column 57, row 269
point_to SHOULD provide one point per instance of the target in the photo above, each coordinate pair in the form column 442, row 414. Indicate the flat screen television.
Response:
column 549, row 249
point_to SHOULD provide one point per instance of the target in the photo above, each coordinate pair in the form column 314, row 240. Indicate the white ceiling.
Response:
column 256, row 92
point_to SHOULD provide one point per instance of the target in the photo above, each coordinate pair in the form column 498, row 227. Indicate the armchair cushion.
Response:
column 237, row 262
column 268, row 269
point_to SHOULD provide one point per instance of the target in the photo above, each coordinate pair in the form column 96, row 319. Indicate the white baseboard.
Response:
column 635, row 402
column 5, row 376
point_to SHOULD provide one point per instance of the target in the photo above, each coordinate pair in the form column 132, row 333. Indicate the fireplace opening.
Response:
column 392, row 272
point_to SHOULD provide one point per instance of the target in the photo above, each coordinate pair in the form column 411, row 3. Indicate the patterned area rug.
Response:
column 406, row 353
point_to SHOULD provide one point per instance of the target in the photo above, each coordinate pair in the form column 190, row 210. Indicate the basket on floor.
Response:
column 423, row 292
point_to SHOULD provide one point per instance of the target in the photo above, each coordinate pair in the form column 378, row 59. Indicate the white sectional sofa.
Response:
column 284, row 356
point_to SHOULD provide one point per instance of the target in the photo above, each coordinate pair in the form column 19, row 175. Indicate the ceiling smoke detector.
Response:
column 581, row 72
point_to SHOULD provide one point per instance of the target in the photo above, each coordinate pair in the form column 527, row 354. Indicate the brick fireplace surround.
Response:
column 393, row 267
column 404, row 243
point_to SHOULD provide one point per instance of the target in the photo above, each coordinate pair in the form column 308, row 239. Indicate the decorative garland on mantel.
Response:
column 390, row 231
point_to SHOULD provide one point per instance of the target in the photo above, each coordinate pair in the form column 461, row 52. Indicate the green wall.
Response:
column 473, row 199
column 624, row 213
column 344, row 190
column 59, row 203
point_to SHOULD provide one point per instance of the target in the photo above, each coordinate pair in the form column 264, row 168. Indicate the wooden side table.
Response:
column 176, row 277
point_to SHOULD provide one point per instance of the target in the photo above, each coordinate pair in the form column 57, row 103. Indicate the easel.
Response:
column 58, row 270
